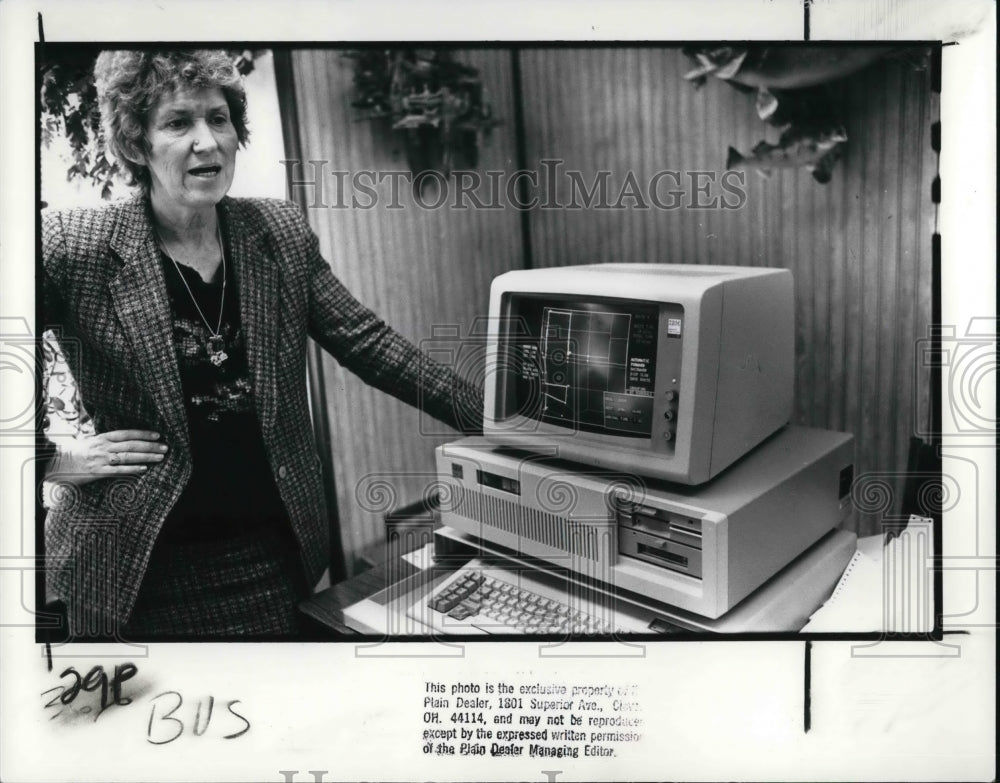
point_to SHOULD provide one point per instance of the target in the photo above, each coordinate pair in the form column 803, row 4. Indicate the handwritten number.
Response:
column 74, row 689
column 96, row 678
column 123, row 672
column 52, row 702
column 55, row 699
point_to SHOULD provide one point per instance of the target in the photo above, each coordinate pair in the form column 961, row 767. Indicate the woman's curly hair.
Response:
column 131, row 83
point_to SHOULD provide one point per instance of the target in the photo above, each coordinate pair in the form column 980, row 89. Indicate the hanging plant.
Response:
column 69, row 108
column 790, row 82
column 435, row 103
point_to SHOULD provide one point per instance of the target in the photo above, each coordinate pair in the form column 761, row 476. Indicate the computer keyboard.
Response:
column 485, row 598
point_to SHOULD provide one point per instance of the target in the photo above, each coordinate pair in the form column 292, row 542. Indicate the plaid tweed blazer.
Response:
column 105, row 297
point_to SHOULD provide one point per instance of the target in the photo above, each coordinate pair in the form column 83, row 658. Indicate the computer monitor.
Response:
column 671, row 371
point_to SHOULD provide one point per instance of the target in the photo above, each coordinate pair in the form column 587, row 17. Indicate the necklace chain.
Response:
column 215, row 345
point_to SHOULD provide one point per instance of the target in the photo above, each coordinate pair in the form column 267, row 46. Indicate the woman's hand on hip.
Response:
column 109, row 454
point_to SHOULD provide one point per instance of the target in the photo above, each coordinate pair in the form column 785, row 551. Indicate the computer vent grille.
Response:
column 525, row 522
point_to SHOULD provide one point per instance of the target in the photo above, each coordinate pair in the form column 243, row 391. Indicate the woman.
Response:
column 197, row 506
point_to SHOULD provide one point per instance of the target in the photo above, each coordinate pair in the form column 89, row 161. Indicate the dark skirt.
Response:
column 236, row 588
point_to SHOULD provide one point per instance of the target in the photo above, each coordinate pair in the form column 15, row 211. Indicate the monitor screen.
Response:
column 670, row 371
column 583, row 362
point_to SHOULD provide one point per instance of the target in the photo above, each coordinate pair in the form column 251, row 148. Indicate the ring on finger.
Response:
column 115, row 459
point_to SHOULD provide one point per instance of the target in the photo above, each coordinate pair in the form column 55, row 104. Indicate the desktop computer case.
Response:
column 701, row 549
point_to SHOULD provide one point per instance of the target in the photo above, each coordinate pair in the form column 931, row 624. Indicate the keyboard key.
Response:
column 443, row 604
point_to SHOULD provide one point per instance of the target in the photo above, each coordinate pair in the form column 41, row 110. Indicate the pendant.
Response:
column 216, row 353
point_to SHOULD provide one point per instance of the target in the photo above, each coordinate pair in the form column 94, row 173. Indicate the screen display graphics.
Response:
column 583, row 363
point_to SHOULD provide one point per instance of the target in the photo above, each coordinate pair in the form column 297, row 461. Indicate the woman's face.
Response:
column 192, row 151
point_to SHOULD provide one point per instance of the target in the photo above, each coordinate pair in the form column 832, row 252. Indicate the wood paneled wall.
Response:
column 859, row 247
column 418, row 268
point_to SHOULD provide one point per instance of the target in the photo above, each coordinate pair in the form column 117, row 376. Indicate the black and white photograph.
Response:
column 459, row 404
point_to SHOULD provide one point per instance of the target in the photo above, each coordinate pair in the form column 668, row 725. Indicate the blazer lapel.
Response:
column 140, row 298
column 258, row 279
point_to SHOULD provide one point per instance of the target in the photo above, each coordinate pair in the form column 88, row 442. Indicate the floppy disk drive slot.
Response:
column 660, row 551
column 684, row 531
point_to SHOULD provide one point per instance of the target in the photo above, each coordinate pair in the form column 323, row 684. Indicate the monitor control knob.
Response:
column 671, row 395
